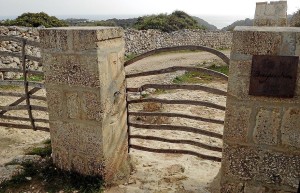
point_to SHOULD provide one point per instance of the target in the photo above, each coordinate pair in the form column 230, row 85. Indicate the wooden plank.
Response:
column 177, row 128
column 20, row 126
column 180, row 68
column 183, row 102
column 176, row 115
column 14, row 118
column 188, row 142
column 176, row 151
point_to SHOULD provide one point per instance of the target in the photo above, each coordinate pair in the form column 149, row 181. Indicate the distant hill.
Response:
column 204, row 23
column 245, row 22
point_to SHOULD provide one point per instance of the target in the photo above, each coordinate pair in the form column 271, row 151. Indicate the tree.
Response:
column 35, row 20
column 168, row 23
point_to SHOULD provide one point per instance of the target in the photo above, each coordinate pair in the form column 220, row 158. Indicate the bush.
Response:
column 167, row 23
column 35, row 20
column 295, row 21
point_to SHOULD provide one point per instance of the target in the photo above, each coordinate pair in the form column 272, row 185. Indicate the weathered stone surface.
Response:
column 271, row 14
column 267, row 126
column 84, row 69
column 290, row 129
column 237, row 123
column 7, row 172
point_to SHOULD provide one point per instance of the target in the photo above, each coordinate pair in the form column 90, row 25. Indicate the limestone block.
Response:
column 249, row 188
column 237, row 123
column 288, row 46
column 280, row 169
column 73, row 105
column 256, row 43
column 267, row 126
column 55, row 99
column 238, row 86
column 240, row 67
column 72, row 69
column 297, row 51
column 92, row 108
column 290, row 129
column 239, row 163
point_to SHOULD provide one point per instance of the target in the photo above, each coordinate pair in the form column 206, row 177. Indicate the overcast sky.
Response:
column 134, row 7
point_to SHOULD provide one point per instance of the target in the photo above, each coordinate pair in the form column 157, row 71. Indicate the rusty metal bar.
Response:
column 168, row 49
column 41, row 98
column 184, row 102
column 34, row 72
column 179, row 68
column 188, row 142
column 26, row 85
column 176, row 115
column 20, row 126
column 14, row 118
column 13, row 54
column 178, row 86
column 32, row 91
column 177, row 128
column 176, row 151
column 21, row 83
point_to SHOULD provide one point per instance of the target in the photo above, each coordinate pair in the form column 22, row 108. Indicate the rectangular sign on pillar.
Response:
column 273, row 76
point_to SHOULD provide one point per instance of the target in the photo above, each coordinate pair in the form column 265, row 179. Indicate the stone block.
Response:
column 92, row 108
column 55, row 100
column 256, row 42
column 290, row 129
column 72, row 69
column 73, row 105
column 238, row 86
column 267, row 126
column 240, row 68
column 280, row 169
column 237, row 123
column 55, row 40
column 288, row 45
column 240, row 163
column 249, row 188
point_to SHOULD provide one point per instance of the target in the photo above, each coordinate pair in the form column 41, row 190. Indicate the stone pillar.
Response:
column 85, row 85
column 261, row 133
column 271, row 14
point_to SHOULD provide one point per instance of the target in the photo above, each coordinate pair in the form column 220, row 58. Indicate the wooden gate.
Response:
column 23, row 97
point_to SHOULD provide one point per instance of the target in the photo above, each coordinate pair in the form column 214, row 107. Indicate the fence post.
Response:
column 85, row 85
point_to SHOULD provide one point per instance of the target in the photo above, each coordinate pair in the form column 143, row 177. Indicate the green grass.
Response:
column 9, row 87
column 192, row 77
column 35, row 78
column 222, row 69
column 160, row 91
column 46, row 176
column 130, row 56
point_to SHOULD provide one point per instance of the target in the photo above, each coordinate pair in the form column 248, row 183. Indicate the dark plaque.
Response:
column 273, row 76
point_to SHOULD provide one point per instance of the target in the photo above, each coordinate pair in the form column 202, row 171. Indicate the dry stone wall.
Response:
column 140, row 41
column 136, row 42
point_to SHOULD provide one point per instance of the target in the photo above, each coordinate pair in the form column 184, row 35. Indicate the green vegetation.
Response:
column 193, row 78
column 35, row 20
column 167, row 23
column 200, row 77
column 9, row 87
column 47, row 178
column 35, row 78
column 221, row 69
column 130, row 56
column 295, row 20
column 245, row 22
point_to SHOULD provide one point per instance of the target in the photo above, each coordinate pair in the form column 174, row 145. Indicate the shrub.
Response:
column 167, row 23
column 295, row 21
column 35, row 20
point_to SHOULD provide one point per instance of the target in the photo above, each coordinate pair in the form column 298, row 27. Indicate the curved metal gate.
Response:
column 170, row 127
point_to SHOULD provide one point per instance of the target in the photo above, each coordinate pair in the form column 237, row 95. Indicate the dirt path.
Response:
column 153, row 173
column 166, row 173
